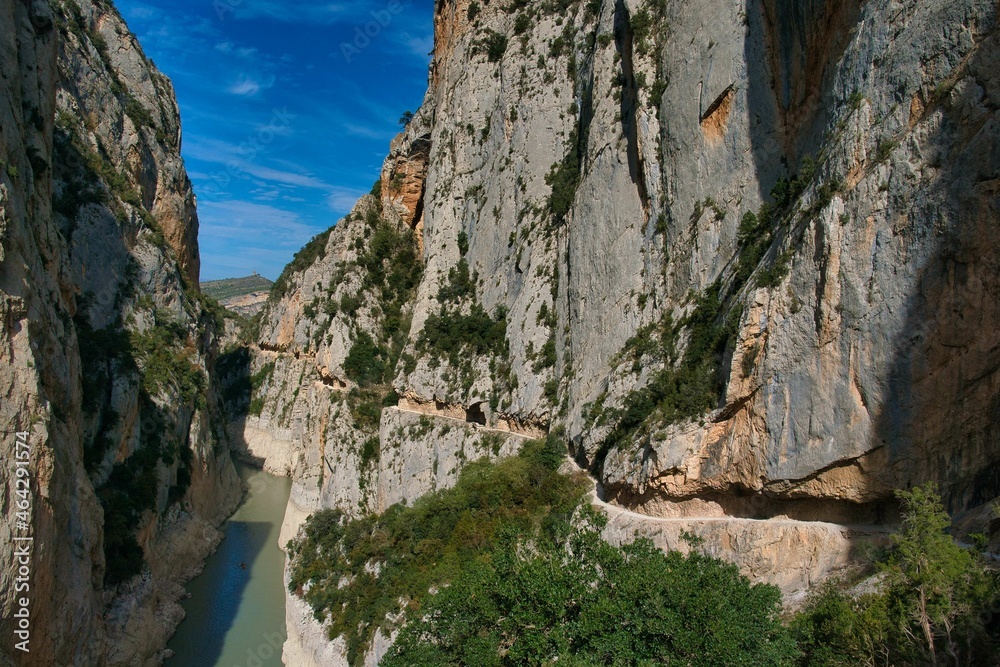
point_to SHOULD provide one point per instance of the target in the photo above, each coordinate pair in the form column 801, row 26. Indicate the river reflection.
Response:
column 236, row 612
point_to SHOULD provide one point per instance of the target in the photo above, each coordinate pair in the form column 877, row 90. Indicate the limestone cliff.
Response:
column 108, row 349
column 742, row 251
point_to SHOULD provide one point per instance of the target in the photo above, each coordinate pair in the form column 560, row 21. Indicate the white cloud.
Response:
column 238, row 221
column 248, row 86
column 215, row 151
column 285, row 177
column 265, row 195
column 419, row 46
column 142, row 13
column 246, row 52
column 369, row 132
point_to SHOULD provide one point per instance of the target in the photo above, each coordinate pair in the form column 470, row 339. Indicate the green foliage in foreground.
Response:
column 584, row 602
column 415, row 548
column 933, row 607
column 496, row 572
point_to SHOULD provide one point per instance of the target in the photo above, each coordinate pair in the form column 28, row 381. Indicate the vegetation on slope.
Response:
column 580, row 601
column 693, row 350
column 391, row 270
column 357, row 574
column 161, row 361
column 233, row 287
column 496, row 571
column 463, row 330
column 688, row 385
column 935, row 605
column 310, row 253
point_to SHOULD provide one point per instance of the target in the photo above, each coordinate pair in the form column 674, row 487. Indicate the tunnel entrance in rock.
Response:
column 474, row 414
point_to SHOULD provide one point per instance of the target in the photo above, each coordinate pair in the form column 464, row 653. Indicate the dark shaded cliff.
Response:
column 108, row 347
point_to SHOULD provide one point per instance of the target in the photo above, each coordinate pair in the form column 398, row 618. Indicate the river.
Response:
column 236, row 616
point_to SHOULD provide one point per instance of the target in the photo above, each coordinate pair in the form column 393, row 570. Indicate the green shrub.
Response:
column 366, row 361
column 461, row 284
column 166, row 360
column 450, row 332
column 304, row 258
column 428, row 544
column 350, row 304
column 366, row 406
column 681, row 390
column 370, row 452
column 757, row 231
column 265, row 373
column 564, row 178
column 522, row 23
column 933, row 606
column 546, row 356
column 571, row 598
column 139, row 115
column 656, row 93
column 885, row 149
column 642, row 27
column 495, row 45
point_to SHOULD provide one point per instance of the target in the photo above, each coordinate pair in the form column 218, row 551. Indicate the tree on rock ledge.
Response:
column 933, row 607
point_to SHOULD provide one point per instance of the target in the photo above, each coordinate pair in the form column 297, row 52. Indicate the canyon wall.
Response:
column 740, row 253
column 108, row 348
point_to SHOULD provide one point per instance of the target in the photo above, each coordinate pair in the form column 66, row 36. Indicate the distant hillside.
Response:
column 233, row 287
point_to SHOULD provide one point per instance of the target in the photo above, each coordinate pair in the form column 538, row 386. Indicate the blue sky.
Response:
column 284, row 128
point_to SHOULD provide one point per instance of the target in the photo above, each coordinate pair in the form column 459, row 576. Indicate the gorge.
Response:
column 738, row 258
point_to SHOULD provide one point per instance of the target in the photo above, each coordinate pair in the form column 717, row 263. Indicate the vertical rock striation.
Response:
column 108, row 348
column 744, row 253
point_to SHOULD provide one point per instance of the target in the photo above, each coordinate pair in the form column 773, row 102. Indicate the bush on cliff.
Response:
column 934, row 607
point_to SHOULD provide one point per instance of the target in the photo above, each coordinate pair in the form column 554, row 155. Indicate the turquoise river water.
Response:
column 236, row 616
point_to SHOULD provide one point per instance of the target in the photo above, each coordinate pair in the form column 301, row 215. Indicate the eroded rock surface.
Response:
column 107, row 350
column 744, row 253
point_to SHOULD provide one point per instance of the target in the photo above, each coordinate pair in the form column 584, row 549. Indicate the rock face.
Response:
column 107, row 350
column 246, row 305
column 744, row 253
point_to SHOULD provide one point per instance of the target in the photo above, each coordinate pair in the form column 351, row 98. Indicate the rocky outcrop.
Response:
column 793, row 555
column 108, row 351
column 742, row 252
column 246, row 305
column 827, row 376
